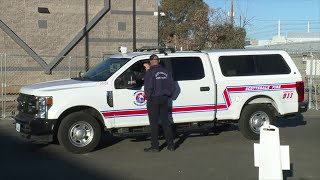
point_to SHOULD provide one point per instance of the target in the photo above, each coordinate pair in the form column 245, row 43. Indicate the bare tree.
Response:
column 199, row 28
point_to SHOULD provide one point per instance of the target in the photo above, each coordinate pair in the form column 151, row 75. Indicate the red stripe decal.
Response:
column 195, row 108
column 286, row 86
column 261, row 87
column 255, row 88
column 221, row 106
column 107, row 114
column 226, row 96
column 125, row 113
column 236, row 89
column 206, row 107
column 174, row 110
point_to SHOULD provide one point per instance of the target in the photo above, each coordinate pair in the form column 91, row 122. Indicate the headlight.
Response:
column 43, row 104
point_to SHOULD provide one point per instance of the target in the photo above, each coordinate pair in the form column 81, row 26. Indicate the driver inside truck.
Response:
column 133, row 77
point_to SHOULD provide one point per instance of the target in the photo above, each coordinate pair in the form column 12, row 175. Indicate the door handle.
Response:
column 110, row 98
column 205, row 88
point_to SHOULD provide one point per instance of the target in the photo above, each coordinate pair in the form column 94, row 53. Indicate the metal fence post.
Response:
column 5, row 86
column 76, row 62
column 2, row 85
column 310, row 85
column 315, row 83
column 70, row 66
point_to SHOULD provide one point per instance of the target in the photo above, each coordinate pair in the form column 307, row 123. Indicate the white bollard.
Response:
column 269, row 156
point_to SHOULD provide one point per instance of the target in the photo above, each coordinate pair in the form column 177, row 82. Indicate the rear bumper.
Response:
column 35, row 128
column 303, row 107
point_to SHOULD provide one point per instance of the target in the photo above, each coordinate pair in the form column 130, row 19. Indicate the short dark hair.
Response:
column 154, row 57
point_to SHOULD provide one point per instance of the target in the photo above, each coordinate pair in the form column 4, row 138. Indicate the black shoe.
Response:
column 171, row 147
column 151, row 149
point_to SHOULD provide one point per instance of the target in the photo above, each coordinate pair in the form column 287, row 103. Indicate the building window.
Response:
column 43, row 24
column 122, row 26
column 43, row 10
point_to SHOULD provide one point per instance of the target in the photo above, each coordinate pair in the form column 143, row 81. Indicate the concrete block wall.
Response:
column 61, row 25
column 67, row 18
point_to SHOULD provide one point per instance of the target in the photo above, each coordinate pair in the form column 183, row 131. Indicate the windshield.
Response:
column 105, row 69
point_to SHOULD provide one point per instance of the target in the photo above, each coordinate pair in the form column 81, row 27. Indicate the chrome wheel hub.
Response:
column 81, row 134
column 258, row 119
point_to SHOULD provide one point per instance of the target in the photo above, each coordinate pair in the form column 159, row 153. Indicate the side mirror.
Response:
column 80, row 74
column 118, row 83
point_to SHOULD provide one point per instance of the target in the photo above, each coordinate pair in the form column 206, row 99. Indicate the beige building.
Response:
column 48, row 30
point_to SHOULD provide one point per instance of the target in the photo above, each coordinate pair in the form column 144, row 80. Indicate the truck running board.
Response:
column 203, row 128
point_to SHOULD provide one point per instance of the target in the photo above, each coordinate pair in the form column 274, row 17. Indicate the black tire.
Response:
column 75, row 124
column 261, row 111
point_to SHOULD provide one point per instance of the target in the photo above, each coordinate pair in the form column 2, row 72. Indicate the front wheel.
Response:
column 252, row 118
column 79, row 133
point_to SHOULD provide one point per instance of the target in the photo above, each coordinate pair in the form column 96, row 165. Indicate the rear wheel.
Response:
column 252, row 118
column 79, row 133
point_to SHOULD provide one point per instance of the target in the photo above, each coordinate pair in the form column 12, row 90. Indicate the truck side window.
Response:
column 251, row 65
column 237, row 65
column 187, row 68
column 132, row 77
column 271, row 64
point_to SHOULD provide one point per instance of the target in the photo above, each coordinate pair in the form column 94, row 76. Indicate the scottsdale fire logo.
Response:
column 139, row 98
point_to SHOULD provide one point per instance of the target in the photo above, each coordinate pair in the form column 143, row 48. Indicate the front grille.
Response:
column 26, row 104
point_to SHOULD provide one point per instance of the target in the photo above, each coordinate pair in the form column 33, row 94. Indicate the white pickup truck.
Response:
column 251, row 87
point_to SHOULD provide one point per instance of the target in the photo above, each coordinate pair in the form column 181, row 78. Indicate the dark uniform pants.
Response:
column 158, row 109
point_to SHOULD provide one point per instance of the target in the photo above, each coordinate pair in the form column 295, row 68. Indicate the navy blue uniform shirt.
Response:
column 158, row 82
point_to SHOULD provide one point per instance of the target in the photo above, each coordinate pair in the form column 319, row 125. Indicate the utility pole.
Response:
column 134, row 29
column 232, row 13
column 158, row 4
column 279, row 28
column 87, row 66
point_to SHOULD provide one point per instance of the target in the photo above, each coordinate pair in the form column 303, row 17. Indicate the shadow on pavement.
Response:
column 23, row 160
column 297, row 120
column 182, row 136
column 108, row 140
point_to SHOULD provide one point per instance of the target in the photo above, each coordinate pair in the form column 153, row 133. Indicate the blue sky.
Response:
column 263, row 15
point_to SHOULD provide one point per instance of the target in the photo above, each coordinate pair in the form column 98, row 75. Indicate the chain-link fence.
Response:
column 20, row 70
column 306, row 56
column 308, row 64
column 312, row 62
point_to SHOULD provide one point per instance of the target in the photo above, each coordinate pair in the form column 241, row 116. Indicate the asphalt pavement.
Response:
column 222, row 155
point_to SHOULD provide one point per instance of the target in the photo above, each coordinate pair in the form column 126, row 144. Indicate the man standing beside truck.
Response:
column 158, row 88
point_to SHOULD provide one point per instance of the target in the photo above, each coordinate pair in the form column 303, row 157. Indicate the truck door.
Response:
column 129, row 101
column 195, row 96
